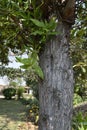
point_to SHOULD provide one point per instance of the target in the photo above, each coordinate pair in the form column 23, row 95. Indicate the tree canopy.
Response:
column 22, row 27
column 79, row 48
column 27, row 25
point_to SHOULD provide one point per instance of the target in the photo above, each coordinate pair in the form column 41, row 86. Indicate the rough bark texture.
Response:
column 56, row 90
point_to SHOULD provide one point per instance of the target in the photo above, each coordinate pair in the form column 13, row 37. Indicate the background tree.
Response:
column 79, row 49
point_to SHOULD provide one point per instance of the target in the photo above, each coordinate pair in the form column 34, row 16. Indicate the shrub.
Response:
column 32, row 105
column 20, row 91
column 33, row 110
column 35, row 89
column 9, row 92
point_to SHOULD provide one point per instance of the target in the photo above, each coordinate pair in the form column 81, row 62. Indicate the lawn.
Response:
column 13, row 116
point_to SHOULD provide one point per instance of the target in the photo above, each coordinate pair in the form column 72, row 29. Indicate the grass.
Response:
column 13, row 116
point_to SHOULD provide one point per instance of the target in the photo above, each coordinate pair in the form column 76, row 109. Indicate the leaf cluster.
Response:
column 22, row 26
column 23, row 29
column 31, row 63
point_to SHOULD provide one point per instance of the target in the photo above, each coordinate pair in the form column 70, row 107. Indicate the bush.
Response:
column 33, row 110
column 32, row 105
column 25, row 101
column 20, row 91
column 35, row 90
column 9, row 92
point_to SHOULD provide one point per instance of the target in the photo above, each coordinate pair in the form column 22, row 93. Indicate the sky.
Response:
column 4, row 81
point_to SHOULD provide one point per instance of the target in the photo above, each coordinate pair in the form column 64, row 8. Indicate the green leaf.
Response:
column 54, row 33
column 52, row 24
column 24, row 66
column 31, row 63
column 38, row 71
column 18, row 59
column 34, row 55
column 83, row 69
column 38, row 23
column 37, row 32
column 22, row 60
column 27, row 61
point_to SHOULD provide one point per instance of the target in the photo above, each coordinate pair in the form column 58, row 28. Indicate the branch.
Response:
column 46, row 8
column 82, row 107
column 69, row 12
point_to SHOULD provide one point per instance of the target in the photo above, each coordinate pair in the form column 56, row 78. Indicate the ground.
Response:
column 13, row 116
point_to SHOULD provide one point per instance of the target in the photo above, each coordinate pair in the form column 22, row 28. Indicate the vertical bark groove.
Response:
column 56, row 90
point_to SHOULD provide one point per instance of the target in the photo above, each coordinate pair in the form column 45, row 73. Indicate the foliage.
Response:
column 9, row 92
column 23, row 30
column 79, row 49
column 19, row 92
column 33, row 84
column 31, row 63
column 80, row 122
column 32, row 105
column 35, row 89
column 79, row 56
column 82, row 127
column 32, row 102
column 17, row 84
column 33, row 110
column 77, row 99
column 11, row 73
column 16, row 73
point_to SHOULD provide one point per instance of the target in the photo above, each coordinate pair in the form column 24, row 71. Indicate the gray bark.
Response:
column 56, row 90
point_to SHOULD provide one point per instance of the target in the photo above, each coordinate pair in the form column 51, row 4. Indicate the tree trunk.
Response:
column 56, row 90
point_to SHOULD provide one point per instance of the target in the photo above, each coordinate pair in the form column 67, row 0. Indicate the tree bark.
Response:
column 56, row 90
